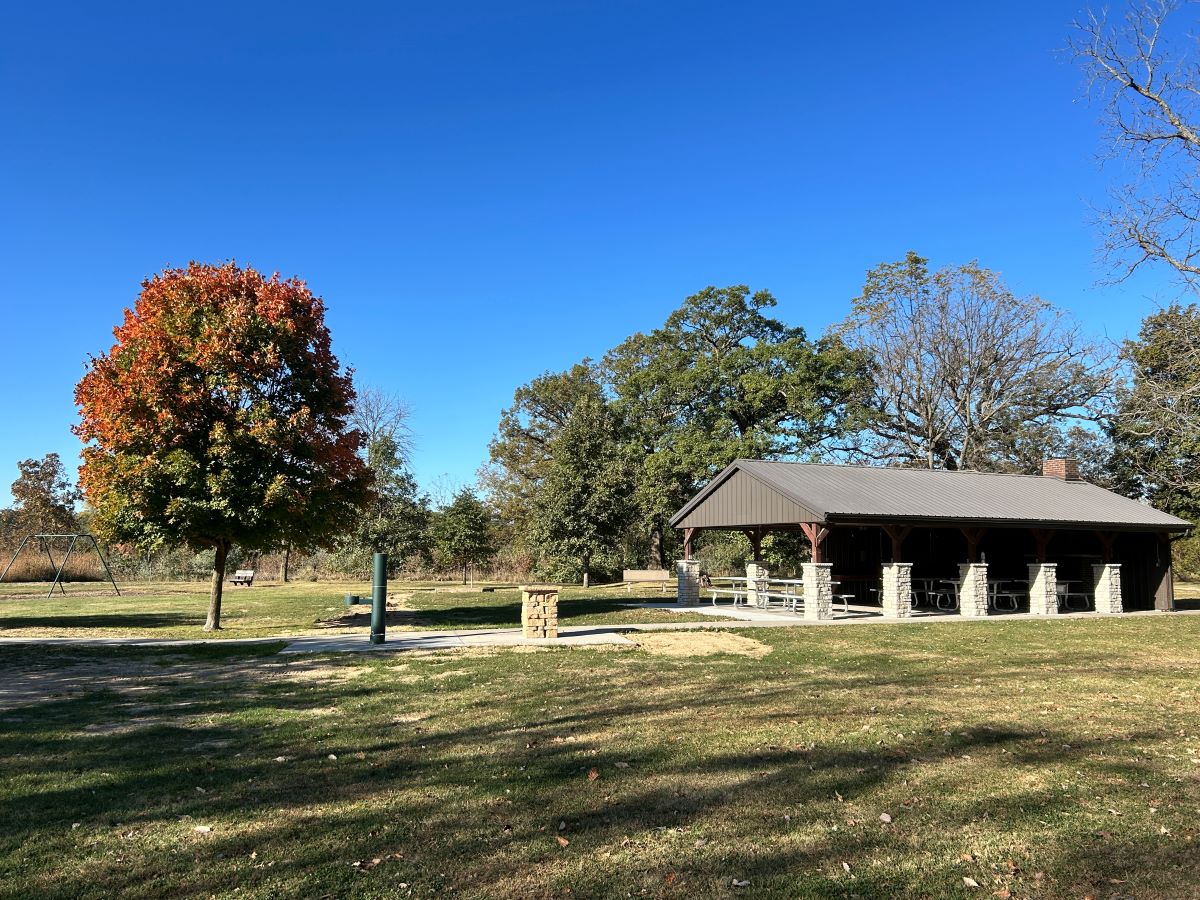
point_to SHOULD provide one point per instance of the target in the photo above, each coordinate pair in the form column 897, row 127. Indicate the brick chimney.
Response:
column 1066, row 469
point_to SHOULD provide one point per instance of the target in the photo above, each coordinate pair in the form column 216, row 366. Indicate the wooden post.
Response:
column 754, row 536
column 973, row 536
column 897, row 534
column 687, row 542
column 1107, row 539
column 1041, row 537
column 816, row 534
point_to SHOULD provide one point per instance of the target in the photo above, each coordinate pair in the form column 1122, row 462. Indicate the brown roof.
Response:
column 757, row 492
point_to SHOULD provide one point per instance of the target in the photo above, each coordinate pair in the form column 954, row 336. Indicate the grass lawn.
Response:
column 177, row 610
column 1007, row 759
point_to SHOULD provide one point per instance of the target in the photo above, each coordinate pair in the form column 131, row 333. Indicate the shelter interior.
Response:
column 858, row 551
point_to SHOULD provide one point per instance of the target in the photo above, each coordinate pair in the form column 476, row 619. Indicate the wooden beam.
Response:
column 897, row 534
column 973, row 536
column 1107, row 539
column 816, row 534
column 687, row 542
column 1041, row 537
column 755, row 536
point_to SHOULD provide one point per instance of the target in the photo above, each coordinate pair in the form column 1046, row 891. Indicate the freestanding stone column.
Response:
column 897, row 590
column 818, row 590
column 973, row 589
column 758, row 581
column 688, row 574
column 1107, row 578
column 539, row 611
column 1043, row 589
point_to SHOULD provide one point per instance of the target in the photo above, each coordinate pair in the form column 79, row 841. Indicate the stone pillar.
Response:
column 972, row 589
column 539, row 611
column 687, row 572
column 1043, row 589
column 1107, row 578
column 818, row 590
column 897, row 590
column 757, row 581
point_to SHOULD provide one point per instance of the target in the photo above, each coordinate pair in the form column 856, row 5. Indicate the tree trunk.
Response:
column 218, row 582
column 657, row 551
column 287, row 558
column 586, row 560
column 464, row 574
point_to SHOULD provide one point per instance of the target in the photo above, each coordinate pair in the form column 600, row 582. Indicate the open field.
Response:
column 1033, row 759
column 177, row 609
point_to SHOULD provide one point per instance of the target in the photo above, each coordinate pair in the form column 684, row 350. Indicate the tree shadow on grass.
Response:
column 129, row 620
column 469, row 797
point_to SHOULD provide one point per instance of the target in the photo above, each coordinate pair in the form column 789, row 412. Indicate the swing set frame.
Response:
column 45, row 540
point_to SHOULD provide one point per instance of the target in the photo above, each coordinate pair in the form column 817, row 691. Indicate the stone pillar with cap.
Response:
column 1043, row 589
column 687, row 573
column 973, row 589
column 897, row 590
column 1107, row 580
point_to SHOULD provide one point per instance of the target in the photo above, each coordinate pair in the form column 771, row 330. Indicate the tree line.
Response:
column 221, row 421
column 942, row 368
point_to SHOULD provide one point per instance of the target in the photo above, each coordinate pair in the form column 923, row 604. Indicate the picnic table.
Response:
column 1073, row 600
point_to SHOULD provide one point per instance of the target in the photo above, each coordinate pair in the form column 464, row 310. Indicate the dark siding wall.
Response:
column 744, row 500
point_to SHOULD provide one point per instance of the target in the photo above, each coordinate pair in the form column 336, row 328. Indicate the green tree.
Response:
column 520, row 452
column 462, row 531
column 722, row 380
column 44, row 498
column 583, row 501
column 1157, row 427
column 397, row 521
column 218, row 418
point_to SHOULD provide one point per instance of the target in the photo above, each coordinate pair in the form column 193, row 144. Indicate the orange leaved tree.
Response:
column 219, row 418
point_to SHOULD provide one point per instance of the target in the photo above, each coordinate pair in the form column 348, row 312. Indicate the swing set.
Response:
column 45, row 541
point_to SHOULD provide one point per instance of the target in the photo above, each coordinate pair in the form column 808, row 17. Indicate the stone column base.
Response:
column 973, row 589
column 539, row 611
column 818, row 590
column 897, row 590
column 1043, row 589
column 757, row 581
column 1107, row 578
column 687, row 573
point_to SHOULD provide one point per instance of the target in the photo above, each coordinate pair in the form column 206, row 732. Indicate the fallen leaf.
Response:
column 846, row 866
column 739, row 884
column 562, row 841
column 593, row 773
column 885, row 818
column 202, row 829
column 970, row 882
column 622, row 765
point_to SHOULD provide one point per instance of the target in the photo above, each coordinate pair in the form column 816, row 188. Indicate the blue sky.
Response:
column 482, row 192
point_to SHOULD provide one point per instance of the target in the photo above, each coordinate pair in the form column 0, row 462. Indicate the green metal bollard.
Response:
column 378, row 598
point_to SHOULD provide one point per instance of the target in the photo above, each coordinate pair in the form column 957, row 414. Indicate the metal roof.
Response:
column 833, row 493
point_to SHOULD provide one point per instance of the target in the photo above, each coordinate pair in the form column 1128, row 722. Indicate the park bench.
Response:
column 631, row 577
column 243, row 576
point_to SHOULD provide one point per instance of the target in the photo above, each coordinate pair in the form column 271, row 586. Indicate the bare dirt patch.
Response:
column 700, row 643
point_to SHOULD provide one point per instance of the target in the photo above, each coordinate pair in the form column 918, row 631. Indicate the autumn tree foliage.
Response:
column 219, row 417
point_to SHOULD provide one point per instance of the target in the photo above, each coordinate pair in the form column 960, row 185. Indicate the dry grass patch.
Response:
column 700, row 643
